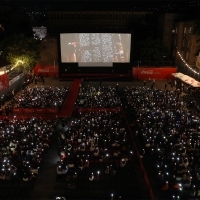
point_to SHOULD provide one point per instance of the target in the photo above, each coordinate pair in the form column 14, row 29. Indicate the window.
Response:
column 123, row 17
column 110, row 17
column 185, row 30
column 183, row 43
column 84, row 16
column 58, row 17
column 188, row 43
column 91, row 16
column 174, row 42
column 182, row 54
column 72, row 17
column 187, row 55
column 104, row 17
column 190, row 30
column 116, row 17
column 78, row 17
column 136, row 17
column 65, row 16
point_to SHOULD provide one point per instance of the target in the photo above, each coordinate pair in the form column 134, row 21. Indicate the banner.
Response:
column 40, row 111
column 17, row 111
column 52, row 110
column 28, row 110
column 4, row 82
column 46, row 70
column 153, row 73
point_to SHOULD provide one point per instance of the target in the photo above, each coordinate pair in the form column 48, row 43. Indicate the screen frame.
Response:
column 66, row 68
column 113, row 38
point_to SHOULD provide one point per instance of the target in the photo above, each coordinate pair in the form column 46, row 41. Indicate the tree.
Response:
column 152, row 50
column 20, row 50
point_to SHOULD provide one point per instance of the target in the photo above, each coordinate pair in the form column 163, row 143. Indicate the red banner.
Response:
column 52, row 110
column 17, row 111
column 4, row 82
column 40, row 110
column 46, row 70
column 153, row 73
column 28, row 110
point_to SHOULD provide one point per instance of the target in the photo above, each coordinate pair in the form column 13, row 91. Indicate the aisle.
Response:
column 47, row 175
column 68, row 106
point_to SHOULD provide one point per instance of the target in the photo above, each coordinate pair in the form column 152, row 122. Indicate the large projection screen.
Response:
column 95, row 49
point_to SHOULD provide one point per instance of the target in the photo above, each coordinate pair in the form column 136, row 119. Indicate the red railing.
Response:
column 31, row 111
column 146, row 179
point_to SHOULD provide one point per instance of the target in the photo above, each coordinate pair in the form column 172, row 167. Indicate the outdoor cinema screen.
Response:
column 95, row 49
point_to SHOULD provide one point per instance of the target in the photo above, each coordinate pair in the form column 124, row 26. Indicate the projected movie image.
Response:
column 95, row 48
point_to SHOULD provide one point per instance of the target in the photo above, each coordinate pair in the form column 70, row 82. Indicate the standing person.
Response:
column 43, row 81
column 149, row 80
column 35, row 80
column 144, row 83
column 165, row 85
column 152, row 86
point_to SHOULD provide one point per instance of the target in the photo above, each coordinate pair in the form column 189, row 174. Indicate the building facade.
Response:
column 185, row 42
column 62, row 21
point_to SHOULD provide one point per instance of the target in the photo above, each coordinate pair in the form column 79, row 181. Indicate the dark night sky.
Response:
column 94, row 4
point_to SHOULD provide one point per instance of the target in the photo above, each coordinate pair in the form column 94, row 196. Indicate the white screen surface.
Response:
column 95, row 49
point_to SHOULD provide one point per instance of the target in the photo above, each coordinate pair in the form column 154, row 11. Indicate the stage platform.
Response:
column 95, row 76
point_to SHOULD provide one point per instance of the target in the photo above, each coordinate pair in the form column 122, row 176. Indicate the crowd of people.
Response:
column 40, row 97
column 94, row 137
column 101, row 97
column 168, row 133
column 23, row 145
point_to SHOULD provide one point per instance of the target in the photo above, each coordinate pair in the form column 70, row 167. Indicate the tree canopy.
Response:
column 20, row 50
column 152, row 50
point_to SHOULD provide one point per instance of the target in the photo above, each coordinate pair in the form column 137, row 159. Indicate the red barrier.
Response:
column 46, row 70
column 17, row 111
column 52, row 110
column 143, row 73
column 28, row 110
column 4, row 82
column 99, row 109
column 140, row 161
column 31, row 111
column 40, row 110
